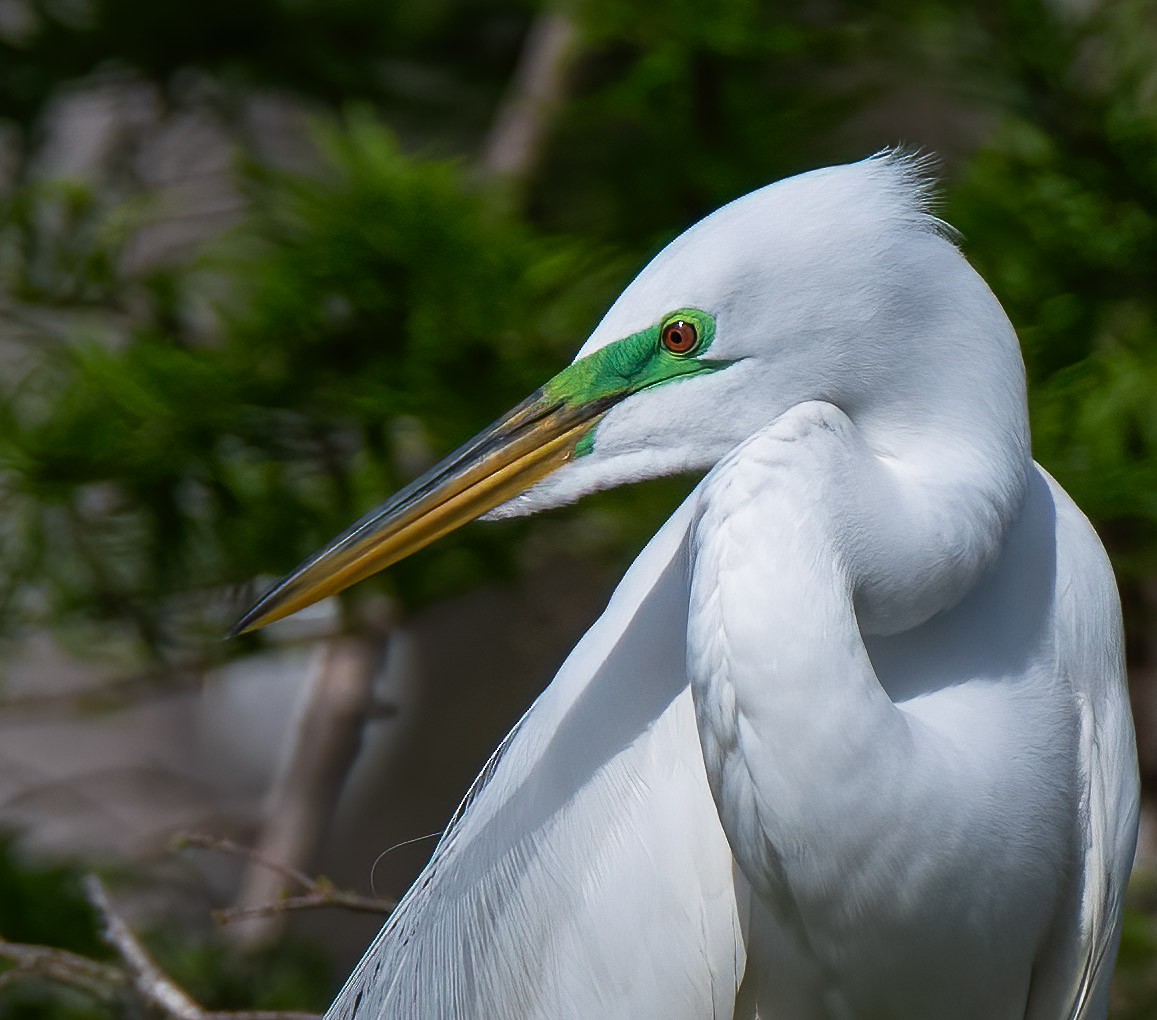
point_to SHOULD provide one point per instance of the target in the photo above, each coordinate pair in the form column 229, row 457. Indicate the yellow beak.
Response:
column 536, row 438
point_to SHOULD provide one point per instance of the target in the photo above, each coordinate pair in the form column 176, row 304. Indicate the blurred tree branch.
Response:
column 517, row 137
column 99, row 980
column 137, row 976
column 319, row 893
column 304, row 797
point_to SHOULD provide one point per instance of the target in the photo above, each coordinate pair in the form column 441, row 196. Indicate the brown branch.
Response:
column 320, row 893
column 321, row 899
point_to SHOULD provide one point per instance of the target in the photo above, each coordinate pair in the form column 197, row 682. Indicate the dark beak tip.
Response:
column 250, row 619
column 242, row 626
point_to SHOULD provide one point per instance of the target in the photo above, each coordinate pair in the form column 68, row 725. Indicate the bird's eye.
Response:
column 680, row 336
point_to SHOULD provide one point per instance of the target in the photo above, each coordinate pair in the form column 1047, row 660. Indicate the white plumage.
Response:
column 852, row 738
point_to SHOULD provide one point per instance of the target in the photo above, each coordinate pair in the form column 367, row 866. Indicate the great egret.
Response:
column 852, row 738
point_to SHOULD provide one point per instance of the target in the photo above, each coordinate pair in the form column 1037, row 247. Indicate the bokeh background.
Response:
column 263, row 261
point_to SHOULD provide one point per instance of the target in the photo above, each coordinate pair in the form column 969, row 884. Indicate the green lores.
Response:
column 637, row 362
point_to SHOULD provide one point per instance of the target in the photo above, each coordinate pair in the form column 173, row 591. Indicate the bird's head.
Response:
column 825, row 286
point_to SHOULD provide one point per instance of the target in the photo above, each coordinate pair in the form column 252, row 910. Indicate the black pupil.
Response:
column 681, row 335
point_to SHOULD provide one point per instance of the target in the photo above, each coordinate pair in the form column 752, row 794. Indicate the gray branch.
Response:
column 139, row 974
column 47, row 963
column 515, row 143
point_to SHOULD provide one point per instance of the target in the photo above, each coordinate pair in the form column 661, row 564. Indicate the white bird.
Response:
column 852, row 738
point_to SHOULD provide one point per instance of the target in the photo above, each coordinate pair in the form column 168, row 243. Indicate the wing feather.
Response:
column 586, row 873
column 1091, row 656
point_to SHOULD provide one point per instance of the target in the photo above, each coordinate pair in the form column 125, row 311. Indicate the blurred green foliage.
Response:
column 1135, row 988
column 43, row 903
column 420, row 60
column 1060, row 214
column 371, row 314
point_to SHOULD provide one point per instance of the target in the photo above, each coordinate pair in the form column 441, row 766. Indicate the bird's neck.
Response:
column 806, row 537
column 922, row 497
column 917, row 522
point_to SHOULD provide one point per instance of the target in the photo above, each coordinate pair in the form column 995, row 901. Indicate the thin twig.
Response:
column 49, row 963
column 319, row 900
column 257, row 1014
column 319, row 893
column 224, row 845
column 149, row 982
column 108, row 983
